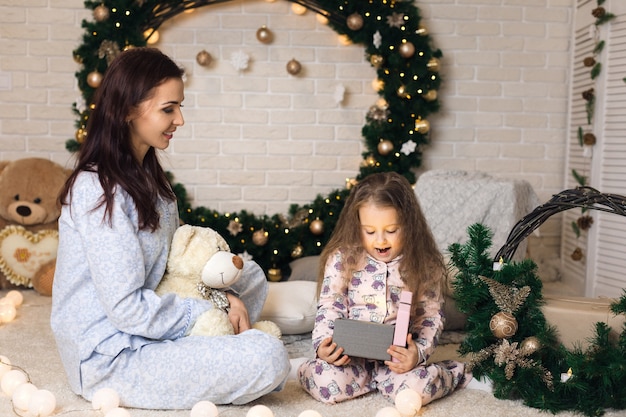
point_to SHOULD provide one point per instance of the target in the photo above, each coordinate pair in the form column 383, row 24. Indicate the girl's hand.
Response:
column 238, row 314
column 329, row 352
column 408, row 357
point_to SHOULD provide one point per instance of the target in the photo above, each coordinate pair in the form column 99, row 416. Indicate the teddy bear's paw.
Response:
column 268, row 327
column 212, row 322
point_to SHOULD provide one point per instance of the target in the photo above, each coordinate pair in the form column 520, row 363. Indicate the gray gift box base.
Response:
column 364, row 339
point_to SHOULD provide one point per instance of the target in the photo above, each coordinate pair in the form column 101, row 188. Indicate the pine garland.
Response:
column 528, row 364
column 396, row 126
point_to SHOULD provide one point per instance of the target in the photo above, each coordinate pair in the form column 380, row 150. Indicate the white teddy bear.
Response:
column 199, row 261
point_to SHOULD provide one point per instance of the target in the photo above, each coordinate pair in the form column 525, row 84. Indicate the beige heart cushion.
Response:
column 22, row 253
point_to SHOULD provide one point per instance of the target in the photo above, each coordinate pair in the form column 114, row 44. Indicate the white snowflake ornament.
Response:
column 240, row 60
column 338, row 95
column 408, row 147
column 377, row 39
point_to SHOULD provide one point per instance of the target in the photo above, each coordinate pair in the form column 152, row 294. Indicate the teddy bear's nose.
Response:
column 23, row 211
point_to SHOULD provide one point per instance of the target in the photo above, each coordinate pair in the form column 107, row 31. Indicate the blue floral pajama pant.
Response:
column 332, row 384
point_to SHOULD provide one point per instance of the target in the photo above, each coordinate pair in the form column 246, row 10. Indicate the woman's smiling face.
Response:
column 156, row 118
column 381, row 234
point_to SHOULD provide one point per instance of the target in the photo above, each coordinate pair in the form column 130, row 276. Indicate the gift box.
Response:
column 575, row 318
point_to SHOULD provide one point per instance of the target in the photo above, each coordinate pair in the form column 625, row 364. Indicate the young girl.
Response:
column 380, row 246
column 118, row 217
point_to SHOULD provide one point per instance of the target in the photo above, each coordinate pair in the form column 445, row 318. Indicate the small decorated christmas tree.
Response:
column 510, row 342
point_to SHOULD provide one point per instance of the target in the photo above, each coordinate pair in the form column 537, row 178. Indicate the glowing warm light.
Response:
column 11, row 380
column 7, row 312
column 42, row 403
column 260, row 411
column 153, row 36
column 16, row 297
column 105, row 399
column 408, row 402
column 388, row 412
column 309, row 413
column 204, row 409
column 5, row 365
column 298, row 9
column 22, row 395
column 322, row 19
column 377, row 84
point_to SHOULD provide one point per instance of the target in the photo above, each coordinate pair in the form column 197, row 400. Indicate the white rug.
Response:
column 28, row 343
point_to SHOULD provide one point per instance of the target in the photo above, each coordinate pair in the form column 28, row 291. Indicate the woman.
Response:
column 118, row 217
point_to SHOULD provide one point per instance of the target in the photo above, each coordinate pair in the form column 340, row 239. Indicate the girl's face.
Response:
column 156, row 118
column 381, row 234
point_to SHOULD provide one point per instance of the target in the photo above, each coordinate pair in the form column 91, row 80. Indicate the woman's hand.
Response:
column 329, row 352
column 238, row 314
column 408, row 357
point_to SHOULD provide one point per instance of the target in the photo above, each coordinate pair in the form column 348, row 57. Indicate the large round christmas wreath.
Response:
column 396, row 44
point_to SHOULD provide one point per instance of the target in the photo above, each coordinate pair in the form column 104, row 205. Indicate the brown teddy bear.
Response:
column 29, row 213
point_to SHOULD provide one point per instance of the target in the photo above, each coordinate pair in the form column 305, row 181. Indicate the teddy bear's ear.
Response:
column 3, row 165
column 181, row 239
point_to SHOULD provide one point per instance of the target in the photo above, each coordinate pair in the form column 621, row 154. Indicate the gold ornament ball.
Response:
column 406, row 49
column 530, row 345
column 354, row 21
column 370, row 161
column 204, row 58
column 94, row 79
column 385, row 147
column 430, row 95
column 422, row 126
column 589, row 62
column 294, row 67
column 577, row 255
column 264, row 35
column 503, row 325
column 589, row 139
column 433, row 65
column 297, row 251
column 101, row 13
column 81, row 135
column 274, row 274
column 376, row 61
column 317, row 227
column 260, row 237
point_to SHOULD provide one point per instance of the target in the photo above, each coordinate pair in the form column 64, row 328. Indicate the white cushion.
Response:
column 292, row 305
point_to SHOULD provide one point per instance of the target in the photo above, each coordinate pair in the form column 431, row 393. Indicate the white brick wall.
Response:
column 261, row 140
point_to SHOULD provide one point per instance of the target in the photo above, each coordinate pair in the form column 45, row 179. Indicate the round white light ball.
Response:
column 309, row 413
column 7, row 312
column 5, row 365
column 118, row 412
column 105, row 399
column 16, row 297
column 22, row 395
column 204, row 409
column 388, row 412
column 408, row 402
column 42, row 403
column 259, row 411
column 10, row 381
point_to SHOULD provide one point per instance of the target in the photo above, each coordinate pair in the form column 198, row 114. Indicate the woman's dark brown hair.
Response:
column 128, row 81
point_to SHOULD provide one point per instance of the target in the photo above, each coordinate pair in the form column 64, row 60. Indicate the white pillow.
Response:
column 292, row 305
